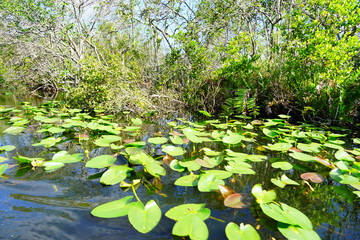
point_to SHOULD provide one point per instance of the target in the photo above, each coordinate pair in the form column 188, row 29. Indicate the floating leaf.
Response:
column 270, row 133
column 158, row 140
column 356, row 140
column 106, row 140
column 191, row 226
column 297, row 233
column 52, row 165
column 239, row 168
column 188, row 181
column 14, row 130
column 174, row 165
column 190, row 165
column 263, row 196
column 312, row 176
column 136, row 121
column 144, row 218
column 282, row 147
column 342, row 155
column 114, row 175
column 302, row 156
column 286, row 214
column 113, row 209
column 48, row 142
column 176, row 140
column 101, row 161
column 343, row 178
column 3, row 168
column 233, row 138
column 311, row 148
column 181, row 211
column 155, row 168
column 237, row 200
column 7, row 148
column 282, row 165
column 173, row 151
column 242, row 232
column 225, row 191
column 209, row 182
column 192, row 135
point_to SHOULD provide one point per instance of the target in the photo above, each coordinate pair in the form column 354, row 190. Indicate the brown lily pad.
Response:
column 238, row 200
column 293, row 149
column 225, row 191
column 323, row 161
column 314, row 177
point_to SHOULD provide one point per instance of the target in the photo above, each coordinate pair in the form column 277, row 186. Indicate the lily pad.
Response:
column 237, row 200
column 113, row 209
column 173, row 151
column 144, row 218
column 282, row 165
column 242, row 232
column 101, row 161
column 158, row 140
column 312, row 176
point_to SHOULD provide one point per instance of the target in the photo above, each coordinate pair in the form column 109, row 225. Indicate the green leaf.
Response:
column 286, row 214
column 239, row 168
column 263, row 196
column 113, row 209
column 136, row 121
column 14, row 130
column 63, row 157
column 282, row 165
column 52, row 165
column 282, row 147
column 191, row 226
column 174, row 165
column 114, row 175
column 342, row 155
column 7, row 148
column 48, row 142
column 144, row 218
column 270, row 133
column 188, row 180
column 181, row 211
column 3, row 168
column 209, row 182
column 343, row 178
column 302, row 156
column 106, row 140
column 101, row 161
column 176, row 140
column 297, row 233
column 219, row 174
column 158, row 140
column 155, row 168
column 242, row 232
column 192, row 135
column 205, row 113
column 173, row 151
column 233, row 138
column 190, row 165
column 311, row 148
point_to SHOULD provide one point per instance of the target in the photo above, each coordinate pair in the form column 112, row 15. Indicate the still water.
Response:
column 35, row 204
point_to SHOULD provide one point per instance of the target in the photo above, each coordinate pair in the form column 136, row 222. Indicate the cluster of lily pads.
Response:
column 186, row 148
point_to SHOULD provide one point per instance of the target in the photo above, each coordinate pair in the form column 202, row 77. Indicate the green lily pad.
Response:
column 282, row 165
column 7, row 148
column 106, row 140
column 101, row 161
column 176, row 140
column 158, row 140
column 242, row 232
column 181, row 211
column 52, row 165
column 233, row 138
column 282, row 147
column 297, row 233
column 144, row 218
column 3, row 168
column 262, row 196
column 188, row 180
column 48, row 142
column 113, row 209
column 173, row 151
column 302, row 156
column 286, row 214
column 114, row 175
column 342, row 155
column 209, row 182
column 14, row 130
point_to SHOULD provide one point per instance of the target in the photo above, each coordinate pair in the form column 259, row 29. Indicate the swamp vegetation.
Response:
column 266, row 57
column 212, row 179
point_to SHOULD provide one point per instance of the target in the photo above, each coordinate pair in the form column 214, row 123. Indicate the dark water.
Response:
column 35, row 204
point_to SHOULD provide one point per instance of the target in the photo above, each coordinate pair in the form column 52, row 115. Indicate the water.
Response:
column 35, row 204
